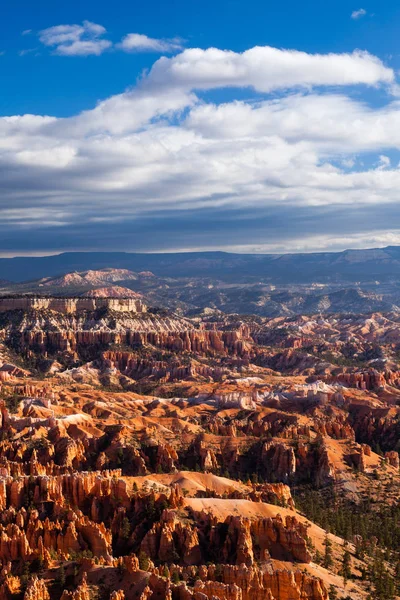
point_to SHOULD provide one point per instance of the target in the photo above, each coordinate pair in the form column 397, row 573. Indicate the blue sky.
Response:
column 290, row 147
column 42, row 83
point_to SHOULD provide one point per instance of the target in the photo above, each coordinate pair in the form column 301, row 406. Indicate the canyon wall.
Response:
column 69, row 306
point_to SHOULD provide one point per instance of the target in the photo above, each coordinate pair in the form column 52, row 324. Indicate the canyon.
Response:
column 146, row 454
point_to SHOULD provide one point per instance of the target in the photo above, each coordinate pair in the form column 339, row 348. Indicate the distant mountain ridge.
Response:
column 381, row 264
column 241, row 294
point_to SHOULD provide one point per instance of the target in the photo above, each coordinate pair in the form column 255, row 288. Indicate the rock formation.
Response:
column 145, row 455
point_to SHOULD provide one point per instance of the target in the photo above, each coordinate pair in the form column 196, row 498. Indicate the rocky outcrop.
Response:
column 359, row 460
column 228, row 582
column 72, row 305
column 335, row 429
column 392, row 458
column 72, row 333
column 113, row 291
column 208, row 459
column 238, row 399
column 273, row 493
column 36, row 590
column 82, row 592
column 370, row 379
column 171, row 540
column 374, row 425
column 117, row 595
column 135, row 366
column 280, row 460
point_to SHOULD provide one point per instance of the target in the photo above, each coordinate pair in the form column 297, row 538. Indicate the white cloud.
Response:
column 332, row 123
column 126, row 113
column 348, row 162
column 84, row 48
column 137, row 42
column 383, row 162
column 88, row 39
column 320, row 242
column 26, row 32
column 159, row 147
column 314, row 243
column 357, row 14
column 76, row 40
column 266, row 69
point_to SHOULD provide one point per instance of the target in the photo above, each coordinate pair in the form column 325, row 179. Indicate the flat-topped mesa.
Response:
column 70, row 306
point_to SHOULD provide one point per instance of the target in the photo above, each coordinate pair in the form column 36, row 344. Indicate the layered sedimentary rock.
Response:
column 252, row 583
column 170, row 537
column 171, row 474
column 72, row 305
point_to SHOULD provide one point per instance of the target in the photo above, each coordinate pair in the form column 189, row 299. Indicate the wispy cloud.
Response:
column 384, row 162
column 26, row 32
column 76, row 40
column 138, row 42
column 27, row 51
column 357, row 14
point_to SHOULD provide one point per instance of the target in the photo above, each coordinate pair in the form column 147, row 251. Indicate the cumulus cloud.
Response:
column 76, row 40
column 357, row 14
column 266, row 69
column 332, row 123
column 88, row 39
column 137, row 42
column 161, row 153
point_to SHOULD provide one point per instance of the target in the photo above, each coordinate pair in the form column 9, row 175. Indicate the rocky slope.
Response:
column 88, row 278
column 114, row 291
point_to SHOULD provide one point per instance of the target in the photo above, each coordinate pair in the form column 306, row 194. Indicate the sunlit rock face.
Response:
column 70, row 306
